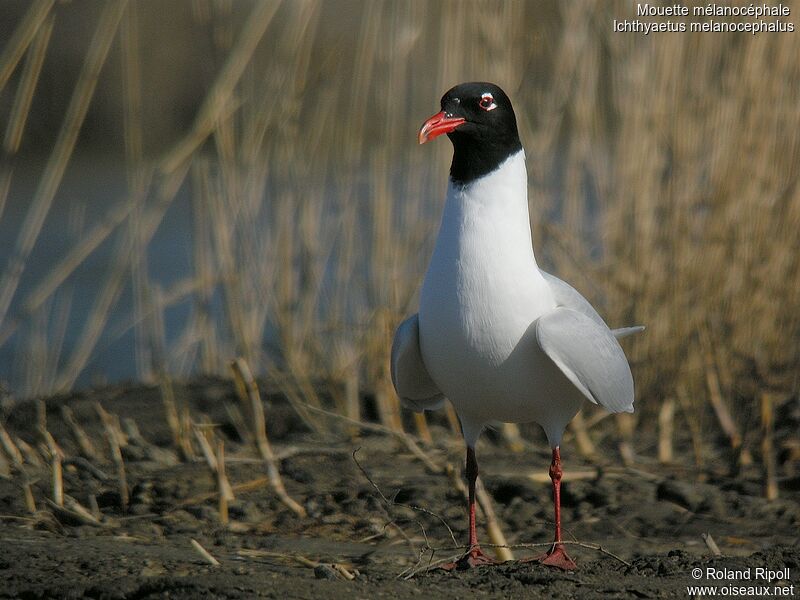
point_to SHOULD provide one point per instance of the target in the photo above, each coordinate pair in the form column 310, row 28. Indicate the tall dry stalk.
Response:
column 26, row 88
column 22, row 37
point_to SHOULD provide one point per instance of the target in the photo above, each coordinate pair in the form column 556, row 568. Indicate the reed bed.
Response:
column 663, row 176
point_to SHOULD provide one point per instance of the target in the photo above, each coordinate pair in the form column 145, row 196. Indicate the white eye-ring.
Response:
column 487, row 102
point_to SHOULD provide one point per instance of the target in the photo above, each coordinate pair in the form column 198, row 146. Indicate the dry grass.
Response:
column 663, row 174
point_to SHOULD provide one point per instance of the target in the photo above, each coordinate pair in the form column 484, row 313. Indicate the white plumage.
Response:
column 503, row 340
column 499, row 337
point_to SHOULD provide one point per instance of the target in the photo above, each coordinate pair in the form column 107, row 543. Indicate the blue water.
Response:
column 90, row 188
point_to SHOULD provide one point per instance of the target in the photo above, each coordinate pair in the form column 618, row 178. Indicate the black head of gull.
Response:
column 480, row 122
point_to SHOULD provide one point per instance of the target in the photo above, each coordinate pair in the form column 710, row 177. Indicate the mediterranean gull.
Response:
column 500, row 338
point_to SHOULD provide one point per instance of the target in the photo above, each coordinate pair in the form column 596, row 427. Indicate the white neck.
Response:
column 483, row 272
column 493, row 212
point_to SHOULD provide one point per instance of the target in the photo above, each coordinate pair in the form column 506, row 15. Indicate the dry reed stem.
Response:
column 232, row 284
column 56, row 472
column 205, row 448
column 344, row 571
column 767, row 446
column 5, row 186
column 41, row 417
column 493, row 528
column 247, row 486
column 186, row 426
column 71, row 516
column 626, row 425
column 85, row 445
column 224, row 486
column 22, row 37
column 721, row 410
column 711, row 544
column 27, row 85
column 423, row 432
column 694, row 426
column 53, row 451
column 252, row 399
column 113, row 435
column 452, row 418
column 666, row 421
column 81, row 463
column 388, row 408
column 132, row 100
column 716, row 398
column 10, row 447
column 204, row 554
column 179, row 420
column 582, row 438
column 5, row 465
column 249, row 394
column 95, row 507
column 203, row 256
column 72, row 504
column 27, row 492
column 352, row 398
column 220, row 94
column 512, row 437
column 135, row 437
column 74, row 511
column 211, row 455
column 62, row 150
column 32, row 456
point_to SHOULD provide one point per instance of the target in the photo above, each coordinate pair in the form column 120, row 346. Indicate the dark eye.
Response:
column 487, row 102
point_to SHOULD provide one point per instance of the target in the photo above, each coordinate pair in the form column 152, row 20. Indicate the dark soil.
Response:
column 649, row 520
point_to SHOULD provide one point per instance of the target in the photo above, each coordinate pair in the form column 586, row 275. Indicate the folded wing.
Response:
column 589, row 355
column 624, row 332
column 568, row 297
column 410, row 377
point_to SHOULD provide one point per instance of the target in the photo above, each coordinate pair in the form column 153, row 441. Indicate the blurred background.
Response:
column 187, row 182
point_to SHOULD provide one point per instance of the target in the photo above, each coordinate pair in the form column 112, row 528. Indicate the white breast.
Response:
column 482, row 292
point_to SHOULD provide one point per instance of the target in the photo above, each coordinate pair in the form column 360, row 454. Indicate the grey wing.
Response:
column 567, row 296
column 589, row 355
column 624, row 332
column 410, row 377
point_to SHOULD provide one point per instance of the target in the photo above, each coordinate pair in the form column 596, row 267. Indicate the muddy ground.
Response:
column 649, row 519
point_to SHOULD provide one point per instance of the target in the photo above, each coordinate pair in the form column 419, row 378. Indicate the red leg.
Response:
column 557, row 556
column 474, row 556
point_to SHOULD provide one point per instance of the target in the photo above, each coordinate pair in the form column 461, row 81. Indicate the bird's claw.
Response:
column 555, row 557
column 472, row 559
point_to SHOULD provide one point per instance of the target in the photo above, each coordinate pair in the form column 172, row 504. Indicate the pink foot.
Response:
column 557, row 557
column 474, row 558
